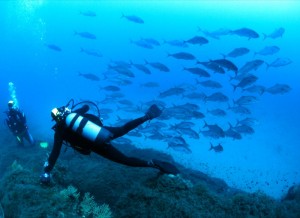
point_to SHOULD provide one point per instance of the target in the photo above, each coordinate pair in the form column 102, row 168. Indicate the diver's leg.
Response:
column 113, row 154
column 29, row 138
column 151, row 113
column 120, row 131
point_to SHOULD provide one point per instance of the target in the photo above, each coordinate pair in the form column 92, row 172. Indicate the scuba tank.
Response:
column 87, row 128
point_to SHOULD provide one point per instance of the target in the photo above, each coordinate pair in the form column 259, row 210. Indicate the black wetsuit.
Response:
column 83, row 145
column 16, row 122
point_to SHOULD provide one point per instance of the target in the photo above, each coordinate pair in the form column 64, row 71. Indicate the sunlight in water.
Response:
column 26, row 11
column 29, row 6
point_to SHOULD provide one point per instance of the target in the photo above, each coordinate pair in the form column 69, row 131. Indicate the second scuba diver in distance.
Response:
column 16, row 122
column 86, row 133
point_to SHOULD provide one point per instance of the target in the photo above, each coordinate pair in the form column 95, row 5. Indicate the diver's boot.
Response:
column 153, row 112
column 163, row 166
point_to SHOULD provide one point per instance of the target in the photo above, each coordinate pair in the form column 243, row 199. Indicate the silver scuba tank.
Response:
column 87, row 128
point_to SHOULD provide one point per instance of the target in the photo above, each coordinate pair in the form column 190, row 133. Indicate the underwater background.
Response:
column 53, row 51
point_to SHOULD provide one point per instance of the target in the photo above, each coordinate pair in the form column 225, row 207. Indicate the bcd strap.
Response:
column 81, row 125
column 73, row 121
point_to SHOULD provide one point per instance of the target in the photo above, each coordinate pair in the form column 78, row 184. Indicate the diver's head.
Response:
column 10, row 104
column 59, row 114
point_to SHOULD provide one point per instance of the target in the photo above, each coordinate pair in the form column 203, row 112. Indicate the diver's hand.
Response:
column 45, row 178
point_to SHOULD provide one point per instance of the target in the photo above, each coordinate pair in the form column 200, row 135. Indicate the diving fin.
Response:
column 153, row 112
column 165, row 167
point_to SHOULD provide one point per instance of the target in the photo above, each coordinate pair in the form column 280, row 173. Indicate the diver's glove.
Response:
column 153, row 112
column 45, row 178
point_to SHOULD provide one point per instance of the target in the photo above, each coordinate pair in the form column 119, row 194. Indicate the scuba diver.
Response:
column 16, row 122
column 86, row 133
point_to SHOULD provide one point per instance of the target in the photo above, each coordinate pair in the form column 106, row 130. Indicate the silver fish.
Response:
column 217, row 97
column 88, row 13
column 245, row 32
column 255, row 89
column 183, row 56
column 142, row 43
column 247, row 81
column 217, row 112
column 275, row 34
column 215, row 67
column 239, row 109
column 251, row 65
column 210, row 84
column 158, row 66
column 177, row 43
column 268, row 50
column 89, row 76
column 86, row 35
column 243, row 129
column 197, row 40
column 197, row 71
column 245, row 100
column 142, row 68
column 232, row 134
column 171, row 91
column 247, row 121
column 217, row 148
column 279, row 62
column 133, row 18
column 237, row 52
column 91, row 52
column 278, row 89
column 226, row 64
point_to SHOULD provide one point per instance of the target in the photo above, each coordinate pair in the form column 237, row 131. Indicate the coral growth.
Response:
column 89, row 207
column 22, row 196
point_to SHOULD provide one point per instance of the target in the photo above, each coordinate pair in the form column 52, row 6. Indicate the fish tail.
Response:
column 205, row 124
column 223, row 55
column 265, row 36
column 211, row 147
column 146, row 62
column 268, row 65
column 122, row 15
column 234, row 87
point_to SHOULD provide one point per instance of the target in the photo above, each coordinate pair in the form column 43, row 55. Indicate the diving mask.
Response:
column 58, row 114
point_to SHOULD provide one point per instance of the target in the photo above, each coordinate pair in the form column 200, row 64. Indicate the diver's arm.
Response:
column 58, row 140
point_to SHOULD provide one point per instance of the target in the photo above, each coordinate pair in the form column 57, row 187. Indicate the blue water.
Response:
column 267, row 160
